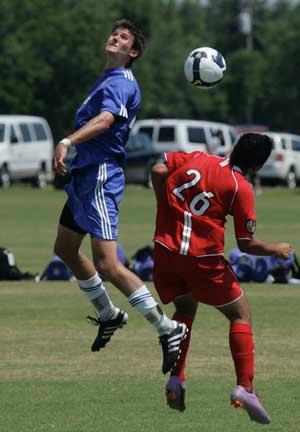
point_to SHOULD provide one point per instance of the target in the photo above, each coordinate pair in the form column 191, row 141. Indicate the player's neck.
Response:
column 113, row 63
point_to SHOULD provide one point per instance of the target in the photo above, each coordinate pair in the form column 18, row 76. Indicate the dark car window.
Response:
column 147, row 130
column 25, row 132
column 13, row 135
column 218, row 135
column 2, row 130
column 196, row 135
column 283, row 143
column 138, row 142
column 166, row 133
column 39, row 131
column 296, row 145
column 233, row 136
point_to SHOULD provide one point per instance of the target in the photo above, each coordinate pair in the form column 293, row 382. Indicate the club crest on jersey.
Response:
column 251, row 226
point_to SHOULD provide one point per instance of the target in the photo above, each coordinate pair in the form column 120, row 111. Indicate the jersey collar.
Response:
column 238, row 169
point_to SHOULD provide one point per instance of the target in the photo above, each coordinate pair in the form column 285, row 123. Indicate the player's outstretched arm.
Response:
column 159, row 173
column 91, row 129
column 258, row 247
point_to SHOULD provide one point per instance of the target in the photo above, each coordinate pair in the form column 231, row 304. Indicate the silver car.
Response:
column 283, row 165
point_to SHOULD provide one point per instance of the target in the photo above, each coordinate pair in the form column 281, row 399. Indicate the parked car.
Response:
column 188, row 135
column 26, row 150
column 141, row 156
column 283, row 165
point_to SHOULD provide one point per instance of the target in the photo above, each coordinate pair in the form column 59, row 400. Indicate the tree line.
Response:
column 51, row 52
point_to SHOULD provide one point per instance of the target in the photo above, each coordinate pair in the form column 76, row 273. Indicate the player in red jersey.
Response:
column 195, row 193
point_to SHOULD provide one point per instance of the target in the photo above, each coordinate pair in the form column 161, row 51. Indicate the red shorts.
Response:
column 210, row 280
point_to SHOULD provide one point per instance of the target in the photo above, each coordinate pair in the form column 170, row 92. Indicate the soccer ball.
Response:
column 204, row 67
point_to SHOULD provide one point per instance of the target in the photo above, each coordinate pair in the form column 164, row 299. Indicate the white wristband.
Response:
column 66, row 142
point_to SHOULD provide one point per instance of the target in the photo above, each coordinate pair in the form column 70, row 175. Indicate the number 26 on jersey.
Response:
column 200, row 203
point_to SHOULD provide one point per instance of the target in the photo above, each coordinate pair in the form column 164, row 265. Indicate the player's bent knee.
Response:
column 107, row 269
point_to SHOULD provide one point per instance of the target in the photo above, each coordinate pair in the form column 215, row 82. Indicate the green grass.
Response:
column 49, row 379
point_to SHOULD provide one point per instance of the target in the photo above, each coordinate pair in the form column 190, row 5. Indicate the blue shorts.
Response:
column 94, row 194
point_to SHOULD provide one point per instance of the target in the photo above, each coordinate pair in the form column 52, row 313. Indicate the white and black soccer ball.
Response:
column 204, row 67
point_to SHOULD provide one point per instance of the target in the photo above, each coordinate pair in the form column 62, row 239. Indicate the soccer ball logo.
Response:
column 204, row 67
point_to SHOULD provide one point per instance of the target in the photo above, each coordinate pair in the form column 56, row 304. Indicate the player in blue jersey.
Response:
column 103, row 124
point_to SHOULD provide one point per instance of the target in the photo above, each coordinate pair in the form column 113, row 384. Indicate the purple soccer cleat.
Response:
column 242, row 398
column 175, row 393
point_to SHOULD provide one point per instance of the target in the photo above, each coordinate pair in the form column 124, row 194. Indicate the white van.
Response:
column 26, row 150
column 188, row 135
column 283, row 165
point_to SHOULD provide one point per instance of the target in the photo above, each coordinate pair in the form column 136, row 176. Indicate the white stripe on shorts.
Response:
column 101, row 204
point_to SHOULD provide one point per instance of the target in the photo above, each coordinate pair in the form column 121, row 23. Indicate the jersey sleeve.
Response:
column 243, row 212
column 115, row 98
column 175, row 160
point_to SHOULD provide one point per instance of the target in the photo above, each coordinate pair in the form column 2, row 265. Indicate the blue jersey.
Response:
column 117, row 92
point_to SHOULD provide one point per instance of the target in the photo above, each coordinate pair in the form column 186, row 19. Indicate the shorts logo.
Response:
column 251, row 226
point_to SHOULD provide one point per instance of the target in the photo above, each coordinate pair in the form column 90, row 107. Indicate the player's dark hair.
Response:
column 251, row 151
column 139, row 39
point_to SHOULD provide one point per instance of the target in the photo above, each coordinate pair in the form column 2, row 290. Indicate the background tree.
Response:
column 52, row 51
column 279, row 103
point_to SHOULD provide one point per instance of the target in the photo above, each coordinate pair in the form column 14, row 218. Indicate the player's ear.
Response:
column 134, row 53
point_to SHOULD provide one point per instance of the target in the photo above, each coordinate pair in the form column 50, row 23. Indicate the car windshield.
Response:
column 138, row 142
column 147, row 130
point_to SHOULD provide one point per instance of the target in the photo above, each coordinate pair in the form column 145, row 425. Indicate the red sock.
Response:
column 179, row 368
column 242, row 351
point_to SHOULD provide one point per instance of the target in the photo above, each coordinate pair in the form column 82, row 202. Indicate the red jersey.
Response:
column 201, row 190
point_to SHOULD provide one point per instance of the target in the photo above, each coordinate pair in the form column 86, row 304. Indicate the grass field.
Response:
column 50, row 381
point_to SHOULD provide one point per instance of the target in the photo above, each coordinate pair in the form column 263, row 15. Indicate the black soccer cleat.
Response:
column 107, row 329
column 170, row 344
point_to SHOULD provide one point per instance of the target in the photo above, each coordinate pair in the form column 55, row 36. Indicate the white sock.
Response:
column 144, row 302
column 164, row 325
column 98, row 296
